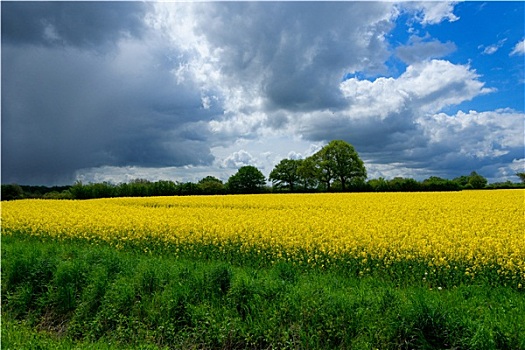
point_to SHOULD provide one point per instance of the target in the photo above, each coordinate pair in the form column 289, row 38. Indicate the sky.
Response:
column 114, row 91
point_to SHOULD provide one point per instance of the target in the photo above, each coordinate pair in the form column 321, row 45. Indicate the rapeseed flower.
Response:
column 464, row 232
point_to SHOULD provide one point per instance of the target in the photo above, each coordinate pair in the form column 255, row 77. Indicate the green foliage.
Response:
column 399, row 184
column 344, row 160
column 135, row 188
column 379, row 185
column 18, row 334
column 521, row 175
column 58, row 195
column 472, row 181
column 338, row 161
column 435, row 183
column 248, row 179
column 211, row 185
column 219, row 279
column 337, row 164
column 81, row 191
column 308, row 174
column 477, row 181
column 12, row 191
column 81, row 296
column 505, row 185
column 162, row 188
column 285, row 174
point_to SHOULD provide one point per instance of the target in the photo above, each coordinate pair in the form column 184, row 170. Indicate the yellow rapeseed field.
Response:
column 469, row 230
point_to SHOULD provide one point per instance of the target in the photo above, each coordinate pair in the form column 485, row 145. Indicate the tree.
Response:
column 521, row 176
column 188, row 189
column 474, row 180
column 338, row 160
column 461, row 180
column 211, row 185
column 308, row 173
column 403, row 184
column 163, row 188
column 285, row 174
column 379, row 185
column 435, row 183
column 12, row 191
column 81, row 191
column 139, row 187
column 248, row 179
column 102, row 190
column 477, row 181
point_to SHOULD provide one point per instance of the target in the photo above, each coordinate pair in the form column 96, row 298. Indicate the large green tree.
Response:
column 338, row 161
column 248, row 179
column 211, row 185
column 476, row 180
column 285, row 174
column 308, row 173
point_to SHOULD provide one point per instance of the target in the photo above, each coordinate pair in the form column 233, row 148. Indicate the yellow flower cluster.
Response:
column 472, row 230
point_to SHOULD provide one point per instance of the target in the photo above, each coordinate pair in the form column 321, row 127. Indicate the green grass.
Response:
column 18, row 335
column 73, row 295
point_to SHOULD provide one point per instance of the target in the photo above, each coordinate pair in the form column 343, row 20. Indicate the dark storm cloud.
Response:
column 296, row 53
column 81, row 24
column 65, row 108
column 134, row 85
column 381, row 140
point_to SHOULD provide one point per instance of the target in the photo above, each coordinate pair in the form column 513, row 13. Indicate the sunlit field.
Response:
column 445, row 238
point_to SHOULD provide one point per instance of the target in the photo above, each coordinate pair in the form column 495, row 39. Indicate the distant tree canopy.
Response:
column 473, row 181
column 248, row 179
column 435, row 183
column 337, row 162
column 11, row 191
column 335, row 167
column 211, row 185
column 285, row 174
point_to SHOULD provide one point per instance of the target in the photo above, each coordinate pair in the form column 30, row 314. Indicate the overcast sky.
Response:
column 112, row 91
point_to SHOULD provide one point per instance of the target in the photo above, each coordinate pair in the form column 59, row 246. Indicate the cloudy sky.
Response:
column 112, row 91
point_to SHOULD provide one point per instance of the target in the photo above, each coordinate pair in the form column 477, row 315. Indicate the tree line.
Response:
column 336, row 167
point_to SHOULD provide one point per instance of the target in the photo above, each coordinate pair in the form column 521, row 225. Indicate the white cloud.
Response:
column 432, row 12
column 294, row 155
column 116, row 175
column 517, row 166
column 396, row 169
column 519, row 49
column 400, row 121
column 476, row 134
column 489, row 50
column 492, row 49
column 428, row 86
column 239, row 159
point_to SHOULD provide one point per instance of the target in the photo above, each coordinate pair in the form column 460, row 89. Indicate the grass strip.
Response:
column 78, row 295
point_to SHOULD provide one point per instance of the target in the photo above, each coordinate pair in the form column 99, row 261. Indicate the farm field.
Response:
column 344, row 270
